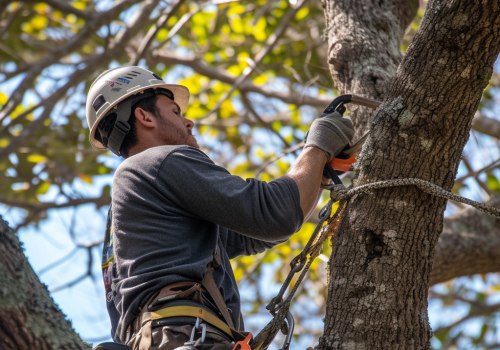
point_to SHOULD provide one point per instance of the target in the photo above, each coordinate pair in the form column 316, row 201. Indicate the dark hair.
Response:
column 106, row 125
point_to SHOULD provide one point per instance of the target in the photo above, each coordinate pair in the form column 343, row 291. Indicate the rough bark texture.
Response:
column 382, row 254
column 364, row 39
column 29, row 319
column 469, row 244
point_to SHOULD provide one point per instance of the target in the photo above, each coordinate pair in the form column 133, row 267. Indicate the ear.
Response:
column 144, row 118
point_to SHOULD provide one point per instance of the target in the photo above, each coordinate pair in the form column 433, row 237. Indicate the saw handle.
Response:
column 342, row 163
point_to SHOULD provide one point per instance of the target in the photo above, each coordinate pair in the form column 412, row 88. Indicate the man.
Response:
column 177, row 218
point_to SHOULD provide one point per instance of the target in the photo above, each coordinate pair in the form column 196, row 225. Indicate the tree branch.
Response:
column 245, row 87
column 469, row 244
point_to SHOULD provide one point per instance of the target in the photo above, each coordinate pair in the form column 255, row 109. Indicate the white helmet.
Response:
column 115, row 91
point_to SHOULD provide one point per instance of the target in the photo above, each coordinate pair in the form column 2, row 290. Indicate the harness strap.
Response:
column 212, row 289
column 188, row 311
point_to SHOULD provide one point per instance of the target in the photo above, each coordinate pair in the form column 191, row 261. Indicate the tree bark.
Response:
column 382, row 253
column 29, row 319
column 364, row 40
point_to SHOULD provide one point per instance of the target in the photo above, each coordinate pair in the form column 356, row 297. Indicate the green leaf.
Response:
column 492, row 182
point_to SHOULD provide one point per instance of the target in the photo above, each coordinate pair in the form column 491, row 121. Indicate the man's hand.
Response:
column 330, row 133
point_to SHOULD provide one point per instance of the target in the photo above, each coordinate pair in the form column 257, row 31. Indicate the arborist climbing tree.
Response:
column 177, row 218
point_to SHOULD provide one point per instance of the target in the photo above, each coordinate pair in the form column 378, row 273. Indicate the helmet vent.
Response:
column 98, row 102
column 157, row 76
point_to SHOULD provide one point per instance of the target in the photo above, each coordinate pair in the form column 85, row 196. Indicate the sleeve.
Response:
column 267, row 211
column 237, row 244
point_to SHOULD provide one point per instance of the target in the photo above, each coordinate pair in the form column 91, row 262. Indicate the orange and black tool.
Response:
column 344, row 161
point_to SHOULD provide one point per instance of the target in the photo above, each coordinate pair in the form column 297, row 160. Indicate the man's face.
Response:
column 173, row 128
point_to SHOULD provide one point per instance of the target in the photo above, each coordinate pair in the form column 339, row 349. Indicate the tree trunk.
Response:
column 29, row 319
column 382, row 254
column 364, row 40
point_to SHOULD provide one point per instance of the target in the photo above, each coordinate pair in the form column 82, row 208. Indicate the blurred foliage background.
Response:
column 258, row 75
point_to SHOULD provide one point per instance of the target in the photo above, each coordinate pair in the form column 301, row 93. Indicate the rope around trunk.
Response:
column 339, row 192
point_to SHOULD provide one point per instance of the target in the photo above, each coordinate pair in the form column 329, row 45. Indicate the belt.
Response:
column 189, row 311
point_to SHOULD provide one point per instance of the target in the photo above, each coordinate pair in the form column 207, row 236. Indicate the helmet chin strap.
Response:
column 121, row 127
column 123, row 110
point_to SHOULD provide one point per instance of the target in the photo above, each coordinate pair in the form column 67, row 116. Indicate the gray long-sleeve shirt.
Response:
column 171, row 206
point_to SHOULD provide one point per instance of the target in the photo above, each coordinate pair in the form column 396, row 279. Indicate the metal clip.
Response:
column 290, row 325
column 196, row 327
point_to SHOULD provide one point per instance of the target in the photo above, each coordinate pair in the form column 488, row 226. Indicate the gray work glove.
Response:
column 330, row 133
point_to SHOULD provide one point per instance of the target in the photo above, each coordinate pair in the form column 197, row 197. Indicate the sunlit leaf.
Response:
column 37, row 158
column 44, row 187
column 302, row 13
column 493, row 182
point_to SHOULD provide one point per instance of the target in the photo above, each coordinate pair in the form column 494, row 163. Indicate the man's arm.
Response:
column 326, row 138
column 307, row 172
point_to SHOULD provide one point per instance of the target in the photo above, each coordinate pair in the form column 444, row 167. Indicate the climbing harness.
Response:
column 200, row 301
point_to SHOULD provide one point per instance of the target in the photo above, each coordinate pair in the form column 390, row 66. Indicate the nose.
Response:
column 188, row 123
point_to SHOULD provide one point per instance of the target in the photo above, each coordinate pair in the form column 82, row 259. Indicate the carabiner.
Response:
column 290, row 323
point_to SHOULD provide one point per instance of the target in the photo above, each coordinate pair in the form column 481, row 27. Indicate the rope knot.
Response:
column 338, row 192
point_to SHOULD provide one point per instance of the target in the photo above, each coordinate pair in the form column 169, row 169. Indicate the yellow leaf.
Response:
column 259, row 31
column 259, row 152
column 37, row 158
column 243, row 57
column 85, row 178
column 302, row 13
column 199, row 32
column 235, row 9
column 4, row 143
column 238, row 273
column 232, row 132
column 237, row 25
column 57, row 15
column 27, row 28
column 225, row 30
column 235, row 70
column 261, row 79
column 209, row 57
column 41, row 8
column 39, row 22
column 162, row 34
column 79, row 5
column 218, row 87
column 3, row 99
column 71, row 18
column 226, row 111
column 43, row 188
